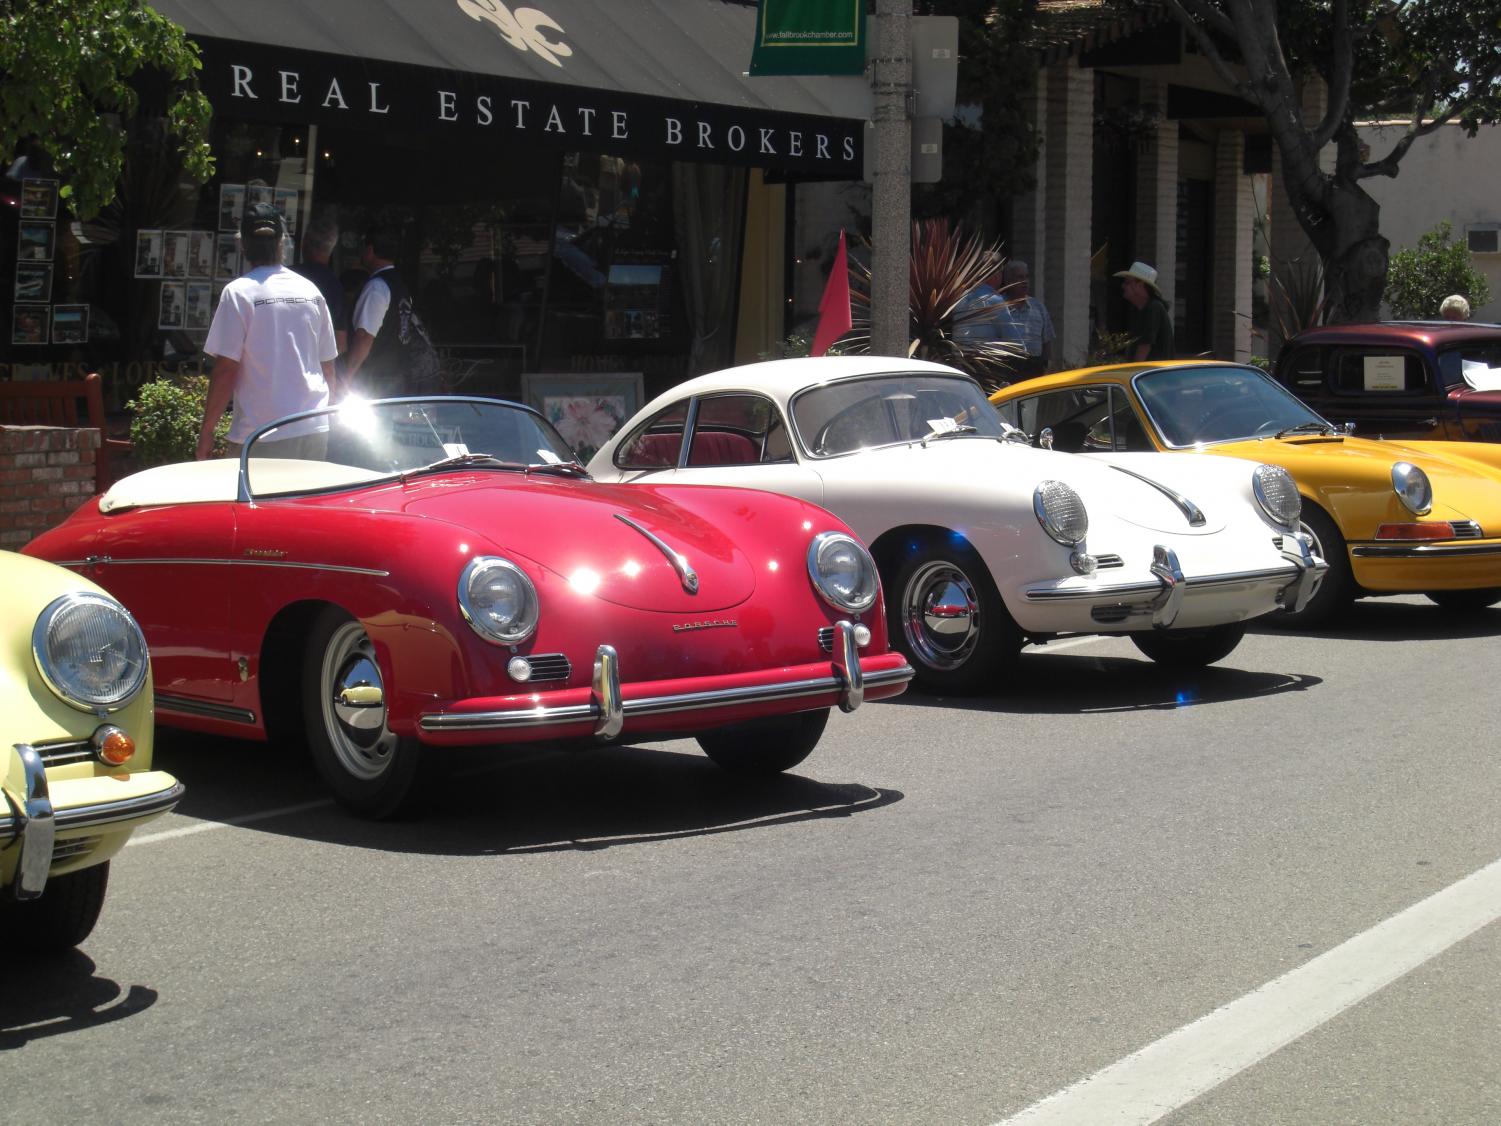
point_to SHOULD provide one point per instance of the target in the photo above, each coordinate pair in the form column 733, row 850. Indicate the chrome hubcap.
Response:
column 941, row 615
column 354, row 704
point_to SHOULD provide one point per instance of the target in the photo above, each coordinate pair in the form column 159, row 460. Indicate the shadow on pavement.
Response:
column 506, row 801
column 51, row 996
column 1078, row 685
column 1380, row 619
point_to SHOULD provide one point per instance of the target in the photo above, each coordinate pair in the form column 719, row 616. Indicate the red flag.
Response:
column 834, row 309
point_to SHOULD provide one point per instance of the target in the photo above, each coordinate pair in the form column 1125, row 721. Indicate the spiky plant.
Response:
column 1296, row 296
column 946, row 264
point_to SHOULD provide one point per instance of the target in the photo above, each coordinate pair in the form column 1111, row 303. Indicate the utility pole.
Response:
column 891, row 181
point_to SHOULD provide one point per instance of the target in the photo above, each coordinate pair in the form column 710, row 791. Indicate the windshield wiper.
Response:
column 1307, row 428
column 570, row 468
column 461, row 460
column 950, row 432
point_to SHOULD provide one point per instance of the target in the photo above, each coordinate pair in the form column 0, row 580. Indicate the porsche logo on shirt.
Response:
column 713, row 623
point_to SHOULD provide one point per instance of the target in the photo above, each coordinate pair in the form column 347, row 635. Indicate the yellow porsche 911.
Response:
column 75, row 751
column 1389, row 517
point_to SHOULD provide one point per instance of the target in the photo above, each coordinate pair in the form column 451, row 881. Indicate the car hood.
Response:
column 1134, row 488
column 1466, row 481
column 578, row 530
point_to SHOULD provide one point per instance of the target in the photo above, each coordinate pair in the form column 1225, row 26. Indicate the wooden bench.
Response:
column 76, row 403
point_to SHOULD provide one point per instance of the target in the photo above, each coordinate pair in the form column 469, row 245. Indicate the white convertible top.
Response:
column 203, row 482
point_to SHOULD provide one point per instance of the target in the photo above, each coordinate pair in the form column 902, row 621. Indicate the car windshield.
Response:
column 1475, row 365
column 357, row 442
column 1194, row 405
column 857, row 414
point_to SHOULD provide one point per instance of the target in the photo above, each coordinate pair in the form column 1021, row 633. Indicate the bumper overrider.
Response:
column 32, row 819
column 608, row 708
column 1162, row 599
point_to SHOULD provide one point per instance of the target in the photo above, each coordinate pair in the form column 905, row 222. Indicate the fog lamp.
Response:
column 520, row 669
column 862, row 636
column 1082, row 562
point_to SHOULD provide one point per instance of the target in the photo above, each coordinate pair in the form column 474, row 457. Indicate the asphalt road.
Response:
column 1264, row 893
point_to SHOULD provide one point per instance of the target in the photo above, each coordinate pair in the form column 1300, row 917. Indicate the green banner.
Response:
column 809, row 37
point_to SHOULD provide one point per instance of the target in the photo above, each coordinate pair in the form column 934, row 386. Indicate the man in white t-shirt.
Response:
column 274, row 348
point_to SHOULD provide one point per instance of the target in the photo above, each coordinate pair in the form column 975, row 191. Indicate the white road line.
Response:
column 1071, row 643
column 206, row 826
column 1200, row 1056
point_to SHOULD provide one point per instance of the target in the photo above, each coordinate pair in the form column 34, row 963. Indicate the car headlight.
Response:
column 498, row 600
column 90, row 651
column 1061, row 512
column 1412, row 487
column 843, row 571
column 1277, row 493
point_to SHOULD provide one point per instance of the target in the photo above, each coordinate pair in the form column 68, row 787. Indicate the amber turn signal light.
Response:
column 113, row 746
column 1427, row 530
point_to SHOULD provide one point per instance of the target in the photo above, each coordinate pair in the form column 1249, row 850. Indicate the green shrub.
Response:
column 1418, row 280
column 168, row 415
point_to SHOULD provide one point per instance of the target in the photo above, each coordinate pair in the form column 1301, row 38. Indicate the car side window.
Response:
column 1303, row 371
column 1078, row 417
column 656, row 443
column 1378, row 371
column 1126, row 431
column 738, row 430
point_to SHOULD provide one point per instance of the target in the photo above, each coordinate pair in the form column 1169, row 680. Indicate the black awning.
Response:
column 640, row 76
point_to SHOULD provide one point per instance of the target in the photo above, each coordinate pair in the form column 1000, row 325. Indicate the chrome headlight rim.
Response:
column 1045, row 498
column 869, row 586
column 1266, row 498
column 127, row 689
column 1413, row 488
column 522, row 625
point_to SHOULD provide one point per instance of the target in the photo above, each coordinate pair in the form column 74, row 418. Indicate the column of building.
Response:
column 1157, row 195
column 1068, row 160
column 1234, row 219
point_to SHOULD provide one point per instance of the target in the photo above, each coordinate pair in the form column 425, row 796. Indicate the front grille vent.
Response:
column 550, row 666
column 826, row 639
column 1277, row 542
column 1107, row 562
column 1467, row 530
column 73, row 848
column 63, row 754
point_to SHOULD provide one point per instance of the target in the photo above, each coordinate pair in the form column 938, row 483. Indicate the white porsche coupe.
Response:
column 983, row 542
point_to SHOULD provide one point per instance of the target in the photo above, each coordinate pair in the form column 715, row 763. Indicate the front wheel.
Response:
column 372, row 771
column 765, row 746
column 949, row 620
column 1189, row 649
column 62, row 917
column 1462, row 600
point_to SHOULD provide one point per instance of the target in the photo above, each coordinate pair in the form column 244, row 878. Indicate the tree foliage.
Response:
column 69, row 72
column 1423, row 62
column 1420, row 278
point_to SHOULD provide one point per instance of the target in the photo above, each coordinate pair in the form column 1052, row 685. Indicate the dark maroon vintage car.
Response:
column 1432, row 380
column 402, row 576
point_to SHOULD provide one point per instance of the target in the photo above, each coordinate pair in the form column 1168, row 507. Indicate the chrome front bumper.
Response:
column 32, row 821
column 608, row 711
column 1163, row 599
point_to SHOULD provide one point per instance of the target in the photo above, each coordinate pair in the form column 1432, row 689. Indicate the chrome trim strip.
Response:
column 1190, row 510
column 686, row 575
column 170, row 703
column 1424, row 550
column 108, row 560
column 1126, row 590
column 105, row 813
column 34, row 822
column 656, row 705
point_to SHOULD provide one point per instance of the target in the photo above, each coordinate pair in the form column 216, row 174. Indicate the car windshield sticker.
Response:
column 942, row 425
column 549, row 457
column 1384, row 373
column 455, row 449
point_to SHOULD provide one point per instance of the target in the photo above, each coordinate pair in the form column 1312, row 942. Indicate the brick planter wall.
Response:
column 45, row 473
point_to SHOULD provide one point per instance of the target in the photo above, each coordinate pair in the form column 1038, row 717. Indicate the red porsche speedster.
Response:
column 385, row 578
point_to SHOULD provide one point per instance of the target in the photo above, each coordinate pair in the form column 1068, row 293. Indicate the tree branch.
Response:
column 1342, row 46
column 1211, row 50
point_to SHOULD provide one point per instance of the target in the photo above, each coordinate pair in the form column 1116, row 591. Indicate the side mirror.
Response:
column 1348, row 428
column 1045, row 439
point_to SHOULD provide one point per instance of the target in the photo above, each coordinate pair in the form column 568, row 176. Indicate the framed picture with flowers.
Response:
column 585, row 408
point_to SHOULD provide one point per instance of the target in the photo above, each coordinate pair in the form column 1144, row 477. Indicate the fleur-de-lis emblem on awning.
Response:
column 525, row 28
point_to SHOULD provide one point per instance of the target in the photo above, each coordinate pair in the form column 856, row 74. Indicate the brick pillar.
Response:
column 1069, row 160
column 1157, row 196
column 45, row 473
column 1234, row 227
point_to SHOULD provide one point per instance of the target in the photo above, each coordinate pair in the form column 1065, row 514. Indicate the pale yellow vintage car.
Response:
column 76, row 736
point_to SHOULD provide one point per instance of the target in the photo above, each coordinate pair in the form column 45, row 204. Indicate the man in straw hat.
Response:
column 1150, row 325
